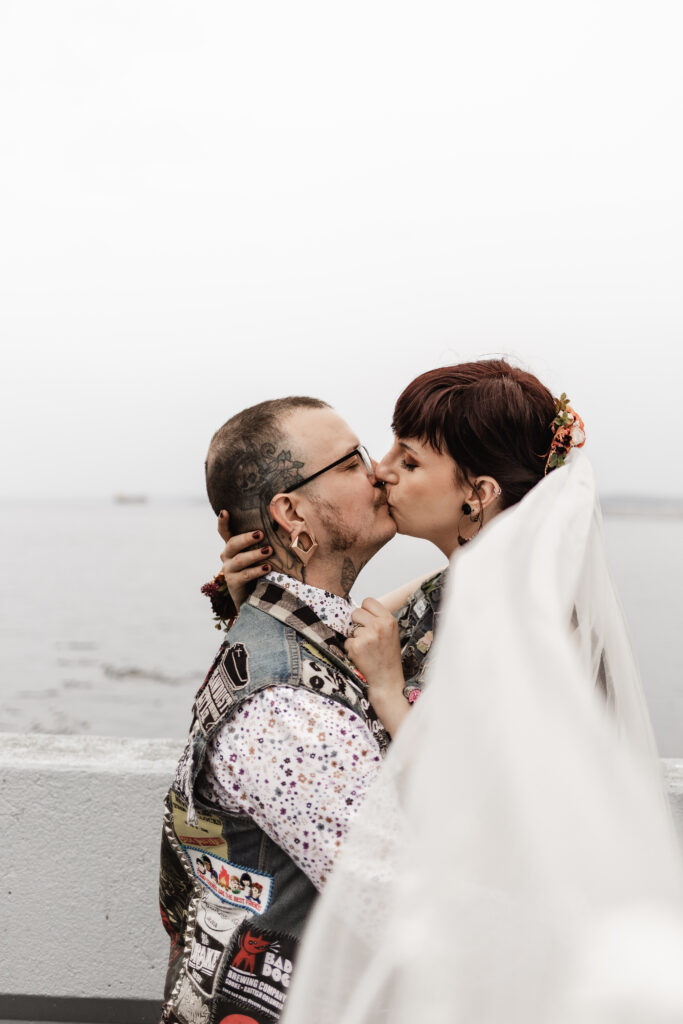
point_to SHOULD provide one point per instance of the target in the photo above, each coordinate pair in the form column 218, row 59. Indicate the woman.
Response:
column 514, row 861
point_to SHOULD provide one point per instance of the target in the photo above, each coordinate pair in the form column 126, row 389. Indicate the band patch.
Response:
column 214, row 929
column 217, row 695
column 231, row 883
column 260, row 972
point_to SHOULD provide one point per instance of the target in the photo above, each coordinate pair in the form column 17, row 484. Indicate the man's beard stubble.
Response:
column 342, row 538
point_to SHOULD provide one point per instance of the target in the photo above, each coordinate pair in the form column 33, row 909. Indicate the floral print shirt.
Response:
column 330, row 608
column 296, row 762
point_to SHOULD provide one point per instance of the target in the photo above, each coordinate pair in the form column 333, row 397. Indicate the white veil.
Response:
column 515, row 862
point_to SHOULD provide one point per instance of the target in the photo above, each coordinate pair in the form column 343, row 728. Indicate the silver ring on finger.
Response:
column 354, row 627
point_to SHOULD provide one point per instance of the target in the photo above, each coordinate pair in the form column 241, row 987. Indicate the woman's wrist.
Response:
column 391, row 713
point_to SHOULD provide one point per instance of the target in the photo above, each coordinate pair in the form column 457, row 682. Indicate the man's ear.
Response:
column 282, row 509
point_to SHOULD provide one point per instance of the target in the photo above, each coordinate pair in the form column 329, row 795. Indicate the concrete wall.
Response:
column 79, row 857
column 81, row 821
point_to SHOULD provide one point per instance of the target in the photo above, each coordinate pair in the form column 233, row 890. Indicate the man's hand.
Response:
column 241, row 566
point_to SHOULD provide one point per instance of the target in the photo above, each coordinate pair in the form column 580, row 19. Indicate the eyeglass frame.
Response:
column 360, row 450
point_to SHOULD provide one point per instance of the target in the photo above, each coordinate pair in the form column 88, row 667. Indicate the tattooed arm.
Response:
column 395, row 599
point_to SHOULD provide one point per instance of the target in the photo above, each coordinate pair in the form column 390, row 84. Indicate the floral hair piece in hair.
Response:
column 568, row 432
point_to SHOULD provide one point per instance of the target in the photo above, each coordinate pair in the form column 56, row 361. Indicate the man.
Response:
column 283, row 742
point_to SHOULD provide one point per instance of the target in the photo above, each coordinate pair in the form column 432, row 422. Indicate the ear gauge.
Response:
column 304, row 554
column 474, row 517
column 466, row 509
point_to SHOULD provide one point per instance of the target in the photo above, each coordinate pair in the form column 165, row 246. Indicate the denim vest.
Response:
column 417, row 620
column 233, row 902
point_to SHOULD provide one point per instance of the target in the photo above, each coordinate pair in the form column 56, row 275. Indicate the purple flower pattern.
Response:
column 299, row 764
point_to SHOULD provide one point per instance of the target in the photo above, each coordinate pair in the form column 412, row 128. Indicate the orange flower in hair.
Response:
column 568, row 432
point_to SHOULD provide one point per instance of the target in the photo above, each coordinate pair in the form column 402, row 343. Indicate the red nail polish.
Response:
column 264, row 551
column 266, row 568
column 256, row 534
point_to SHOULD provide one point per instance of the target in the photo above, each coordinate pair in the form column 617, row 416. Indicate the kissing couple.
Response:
column 433, row 746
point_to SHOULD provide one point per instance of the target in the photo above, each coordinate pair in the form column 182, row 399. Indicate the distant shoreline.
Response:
column 650, row 508
column 613, row 505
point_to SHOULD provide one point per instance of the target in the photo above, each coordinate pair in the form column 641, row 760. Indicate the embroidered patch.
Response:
column 207, row 834
column 190, row 1006
column 322, row 677
column 260, row 972
column 230, row 672
column 182, row 781
column 231, row 883
column 235, row 662
column 425, row 642
column 317, row 654
column 214, row 929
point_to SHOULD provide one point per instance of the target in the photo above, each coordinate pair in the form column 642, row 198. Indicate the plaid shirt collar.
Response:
column 273, row 599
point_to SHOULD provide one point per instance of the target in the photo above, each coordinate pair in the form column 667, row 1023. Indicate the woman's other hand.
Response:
column 242, row 563
column 375, row 650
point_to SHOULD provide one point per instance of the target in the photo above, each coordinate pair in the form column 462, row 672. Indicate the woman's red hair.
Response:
column 490, row 417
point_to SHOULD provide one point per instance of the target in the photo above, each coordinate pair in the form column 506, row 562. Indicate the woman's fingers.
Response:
column 246, row 575
column 244, row 558
column 246, row 566
column 240, row 542
column 374, row 607
column 237, row 563
column 372, row 613
column 362, row 617
column 224, row 524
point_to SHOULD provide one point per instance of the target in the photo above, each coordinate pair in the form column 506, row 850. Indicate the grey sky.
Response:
column 208, row 204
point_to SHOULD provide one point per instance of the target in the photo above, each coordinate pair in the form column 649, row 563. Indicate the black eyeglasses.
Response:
column 361, row 451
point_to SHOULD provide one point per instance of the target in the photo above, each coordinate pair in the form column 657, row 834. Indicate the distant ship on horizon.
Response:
column 130, row 499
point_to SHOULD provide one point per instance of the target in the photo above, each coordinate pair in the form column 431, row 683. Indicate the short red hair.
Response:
column 492, row 418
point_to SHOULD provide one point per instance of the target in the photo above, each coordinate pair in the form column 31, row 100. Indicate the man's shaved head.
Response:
column 252, row 457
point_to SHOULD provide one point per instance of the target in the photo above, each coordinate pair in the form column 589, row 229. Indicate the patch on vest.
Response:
column 258, row 977
column 231, row 883
column 214, row 929
column 230, row 672
column 189, row 1004
column 206, row 834
column 321, row 676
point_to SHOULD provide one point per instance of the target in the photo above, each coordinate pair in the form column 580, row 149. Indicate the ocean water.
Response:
column 104, row 631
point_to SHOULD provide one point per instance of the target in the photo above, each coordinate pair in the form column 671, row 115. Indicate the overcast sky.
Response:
column 206, row 204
